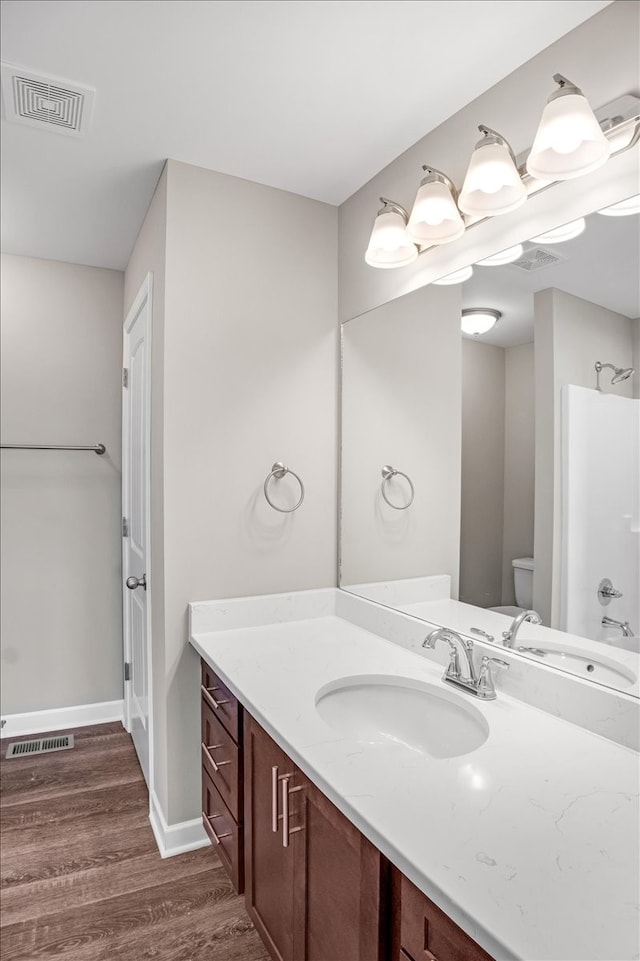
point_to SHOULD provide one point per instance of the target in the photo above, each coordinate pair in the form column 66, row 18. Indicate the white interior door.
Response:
column 136, row 441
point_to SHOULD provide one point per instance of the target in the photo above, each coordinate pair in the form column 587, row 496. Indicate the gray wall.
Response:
column 483, row 473
column 246, row 375
column 401, row 406
column 498, row 412
column 602, row 57
column 61, row 545
column 519, row 462
column 570, row 335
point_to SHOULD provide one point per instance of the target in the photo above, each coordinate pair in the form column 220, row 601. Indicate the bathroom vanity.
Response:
column 385, row 815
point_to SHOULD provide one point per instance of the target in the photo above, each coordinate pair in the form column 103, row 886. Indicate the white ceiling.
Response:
column 311, row 96
column 600, row 266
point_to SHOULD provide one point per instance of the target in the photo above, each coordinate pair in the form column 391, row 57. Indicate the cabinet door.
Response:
column 427, row 934
column 268, row 863
column 338, row 877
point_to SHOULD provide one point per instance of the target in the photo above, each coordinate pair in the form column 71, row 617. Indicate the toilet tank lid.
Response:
column 526, row 563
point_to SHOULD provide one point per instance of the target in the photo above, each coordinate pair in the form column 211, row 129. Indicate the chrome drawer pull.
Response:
column 213, row 747
column 286, row 830
column 218, row 837
column 208, row 696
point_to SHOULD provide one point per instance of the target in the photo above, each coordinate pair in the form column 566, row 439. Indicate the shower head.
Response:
column 619, row 373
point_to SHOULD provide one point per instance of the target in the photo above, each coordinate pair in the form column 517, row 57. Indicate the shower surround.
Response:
column 600, row 513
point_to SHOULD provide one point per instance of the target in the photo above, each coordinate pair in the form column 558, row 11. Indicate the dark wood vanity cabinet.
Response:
column 222, row 774
column 422, row 932
column 316, row 888
column 313, row 881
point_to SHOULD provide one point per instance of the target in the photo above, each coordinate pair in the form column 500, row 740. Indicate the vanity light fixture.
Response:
column 504, row 257
column 492, row 184
column 389, row 245
column 478, row 320
column 457, row 277
column 435, row 219
column 569, row 141
column 622, row 209
column 559, row 234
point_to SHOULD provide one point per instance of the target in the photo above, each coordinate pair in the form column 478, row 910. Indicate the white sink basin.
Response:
column 382, row 710
column 598, row 668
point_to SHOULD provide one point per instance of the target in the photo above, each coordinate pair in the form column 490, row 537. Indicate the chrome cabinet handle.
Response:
column 133, row 582
column 286, row 791
column 217, row 837
column 208, row 696
column 212, row 747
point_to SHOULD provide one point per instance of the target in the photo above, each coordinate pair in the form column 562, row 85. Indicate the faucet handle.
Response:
column 481, row 633
column 486, row 687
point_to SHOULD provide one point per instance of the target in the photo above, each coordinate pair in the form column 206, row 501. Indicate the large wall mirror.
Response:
column 484, row 475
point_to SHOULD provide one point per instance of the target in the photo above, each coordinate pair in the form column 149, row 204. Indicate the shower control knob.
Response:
column 607, row 592
column 133, row 582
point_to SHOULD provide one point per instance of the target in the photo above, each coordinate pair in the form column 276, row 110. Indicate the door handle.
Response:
column 133, row 582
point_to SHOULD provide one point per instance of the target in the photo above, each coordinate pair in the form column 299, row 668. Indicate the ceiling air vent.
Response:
column 536, row 258
column 47, row 103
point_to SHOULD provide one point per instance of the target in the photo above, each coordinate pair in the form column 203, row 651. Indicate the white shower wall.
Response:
column 601, row 510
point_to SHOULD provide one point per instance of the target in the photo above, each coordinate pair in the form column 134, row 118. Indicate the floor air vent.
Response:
column 45, row 102
column 42, row 745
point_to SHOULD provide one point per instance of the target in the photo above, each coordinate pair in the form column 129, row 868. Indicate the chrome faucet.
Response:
column 509, row 636
column 623, row 625
column 478, row 682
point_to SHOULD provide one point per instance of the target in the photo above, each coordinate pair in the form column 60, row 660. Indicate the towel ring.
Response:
column 279, row 470
column 387, row 473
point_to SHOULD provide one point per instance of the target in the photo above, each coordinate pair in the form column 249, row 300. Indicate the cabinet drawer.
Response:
column 224, row 832
column 220, row 759
column 427, row 934
column 222, row 702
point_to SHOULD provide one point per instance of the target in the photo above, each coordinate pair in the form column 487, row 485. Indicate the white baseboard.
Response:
column 175, row 838
column 61, row 718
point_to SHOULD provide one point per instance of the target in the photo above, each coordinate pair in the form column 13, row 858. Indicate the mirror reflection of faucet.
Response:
column 509, row 636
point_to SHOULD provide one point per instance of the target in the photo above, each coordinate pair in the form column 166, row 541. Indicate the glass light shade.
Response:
column 477, row 320
column 435, row 219
column 569, row 141
column 457, row 277
column 492, row 185
column 559, row 234
column 389, row 245
column 622, row 209
column 504, row 257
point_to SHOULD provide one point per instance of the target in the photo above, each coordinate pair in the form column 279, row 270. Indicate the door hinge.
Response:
column 125, row 376
column 127, row 671
column 125, row 527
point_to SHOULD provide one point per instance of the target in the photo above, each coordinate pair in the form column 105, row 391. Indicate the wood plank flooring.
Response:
column 80, row 875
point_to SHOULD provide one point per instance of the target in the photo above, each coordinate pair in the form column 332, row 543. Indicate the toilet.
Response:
column 523, row 568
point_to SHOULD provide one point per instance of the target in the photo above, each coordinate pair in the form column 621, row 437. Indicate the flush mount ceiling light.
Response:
column 504, row 257
column 389, row 245
column 622, row 209
column 569, row 141
column 435, row 219
column 457, row 277
column 492, row 185
column 559, row 234
column 478, row 320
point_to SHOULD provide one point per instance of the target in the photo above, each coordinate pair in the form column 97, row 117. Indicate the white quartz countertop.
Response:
column 529, row 843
